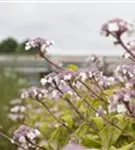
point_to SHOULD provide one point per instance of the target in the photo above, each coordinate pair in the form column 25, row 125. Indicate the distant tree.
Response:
column 20, row 48
column 8, row 45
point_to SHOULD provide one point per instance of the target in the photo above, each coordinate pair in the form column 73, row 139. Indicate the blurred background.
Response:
column 75, row 30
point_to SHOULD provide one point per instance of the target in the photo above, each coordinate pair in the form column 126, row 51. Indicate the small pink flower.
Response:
column 42, row 44
column 117, row 27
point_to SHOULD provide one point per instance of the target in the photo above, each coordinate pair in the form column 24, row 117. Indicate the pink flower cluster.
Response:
column 42, row 44
column 26, row 136
column 116, row 27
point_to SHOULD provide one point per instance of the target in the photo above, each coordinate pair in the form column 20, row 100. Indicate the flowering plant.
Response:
column 79, row 109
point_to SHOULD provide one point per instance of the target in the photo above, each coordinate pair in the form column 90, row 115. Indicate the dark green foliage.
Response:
column 8, row 45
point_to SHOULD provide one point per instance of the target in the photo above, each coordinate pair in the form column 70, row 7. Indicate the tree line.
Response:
column 11, row 45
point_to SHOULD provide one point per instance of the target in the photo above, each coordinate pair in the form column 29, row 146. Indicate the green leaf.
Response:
column 59, row 138
column 110, row 134
column 121, row 122
column 72, row 67
column 130, row 146
column 106, row 135
column 99, row 122
column 66, row 96
column 91, row 141
column 68, row 119
column 113, row 148
column 110, row 91
column 82, row 130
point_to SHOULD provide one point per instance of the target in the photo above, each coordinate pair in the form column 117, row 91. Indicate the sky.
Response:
column 74, row 27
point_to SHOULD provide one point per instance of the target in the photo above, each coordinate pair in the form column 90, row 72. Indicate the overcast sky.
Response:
column 74, row 27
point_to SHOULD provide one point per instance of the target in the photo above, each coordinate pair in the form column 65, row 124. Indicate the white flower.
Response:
column 37, row 132
column 126, row 55
column 40, row 96
column 31, row 135
column 111, row 109
column 13, row 117
column 91, row 58
column 22, row 108
column 15, row 109
column 101, row 83
column 24, row 95
column 54, row 94
column 48, row 43
column 90, row 74
column 22, row 139
column 126, row 97
column 112, row 27
column 67, row 77
column 121, row 108
column 70, row 93
column 128, row 85
column 43, row 81
column 124, row 71
column 49, row 80
column 43, row 48
column 130, row 74
column 12, row 141
column 34, row 92
column 28, row 46
column 83, row 76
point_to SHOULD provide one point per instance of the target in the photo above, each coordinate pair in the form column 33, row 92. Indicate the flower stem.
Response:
column 71, row 104
column 52, row 63
column 92, row 91
column 37, row 146
column 124, row 46
column 47, row 108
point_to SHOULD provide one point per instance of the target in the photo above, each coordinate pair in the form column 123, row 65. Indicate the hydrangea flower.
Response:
column 16, row 116
column 130, row 84
column 34, row 92
column 106, row 82
column 24, row 132
column 91, row 58
column 124, row 72
column 42, row 44
column 131, row 48
column 18, row 108
column 117, row 27
column 122, row 101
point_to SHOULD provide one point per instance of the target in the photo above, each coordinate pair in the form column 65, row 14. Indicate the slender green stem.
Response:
column 124, row 46
column 52, row 63
column 71, row 104
column 58, row 120
column 100, row 98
